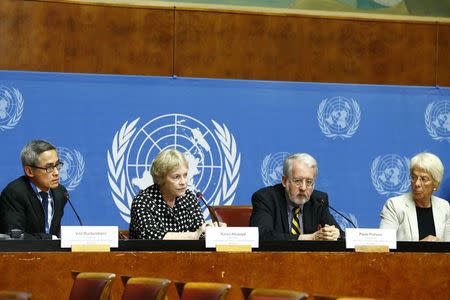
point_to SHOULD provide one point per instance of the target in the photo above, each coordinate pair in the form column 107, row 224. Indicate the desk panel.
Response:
column 397, row 275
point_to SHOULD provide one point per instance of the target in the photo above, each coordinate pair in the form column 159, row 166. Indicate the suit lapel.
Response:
column 438, row 217
column 283, row 208
column 56, row 208
column 36, row 205
column 412, row 217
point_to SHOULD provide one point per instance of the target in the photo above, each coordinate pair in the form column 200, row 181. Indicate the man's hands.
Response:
column 326, row 233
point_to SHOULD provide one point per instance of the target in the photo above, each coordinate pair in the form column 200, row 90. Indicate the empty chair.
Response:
column 234, row 215
column 202, row 290
column 144, row 288
column 14, row 295
column 272, row 294
column 91, row 286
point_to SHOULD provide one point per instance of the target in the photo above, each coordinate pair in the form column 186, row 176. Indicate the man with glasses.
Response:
column 293, row 210
column 34, row 203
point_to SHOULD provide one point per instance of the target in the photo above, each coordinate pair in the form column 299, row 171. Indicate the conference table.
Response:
column 413, row 270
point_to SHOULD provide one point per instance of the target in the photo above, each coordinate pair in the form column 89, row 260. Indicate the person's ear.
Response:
column 28, row 171
column 283, row 180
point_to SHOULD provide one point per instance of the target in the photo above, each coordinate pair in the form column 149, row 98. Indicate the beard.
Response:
column 297, row 199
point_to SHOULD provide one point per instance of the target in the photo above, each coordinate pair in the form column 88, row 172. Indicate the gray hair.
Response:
column 302, row 158
column 165, row 162
column 429, row 163
column 31, row 151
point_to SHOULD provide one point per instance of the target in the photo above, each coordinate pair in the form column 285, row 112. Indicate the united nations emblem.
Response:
column 213, row 158
column 339, row 117
column 72, row 171
column 272, row 168
column 390, row 174
column 437, row 120
column 11, row 107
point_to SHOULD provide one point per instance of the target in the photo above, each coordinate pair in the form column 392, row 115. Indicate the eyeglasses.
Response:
column 302, row 181
column 50, row 169
column 422, row 179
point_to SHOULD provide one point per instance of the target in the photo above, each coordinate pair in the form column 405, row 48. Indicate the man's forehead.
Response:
column 48, row 157
column 302, row 168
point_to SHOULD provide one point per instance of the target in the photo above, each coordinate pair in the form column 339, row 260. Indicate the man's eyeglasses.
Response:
column 50, row 169
column 300, row 182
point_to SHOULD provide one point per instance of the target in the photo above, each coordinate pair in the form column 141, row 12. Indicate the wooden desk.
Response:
column 395, row 275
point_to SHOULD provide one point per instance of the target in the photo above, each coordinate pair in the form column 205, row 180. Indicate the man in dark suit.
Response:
column 293, row 210
column 34, row 203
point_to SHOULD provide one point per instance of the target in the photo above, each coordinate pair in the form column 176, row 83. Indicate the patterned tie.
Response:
column 44, row 197
column 295, row 228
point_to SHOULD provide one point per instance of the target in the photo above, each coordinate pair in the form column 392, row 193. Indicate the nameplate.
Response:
column 89, row 235
column 356, row 237
column 232, row 236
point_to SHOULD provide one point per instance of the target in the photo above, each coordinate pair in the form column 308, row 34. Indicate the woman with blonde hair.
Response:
column 167, row 209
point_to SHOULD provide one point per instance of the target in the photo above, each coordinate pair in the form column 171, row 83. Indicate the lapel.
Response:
column 36, row 205
column 411, row 214
column 283, row 208
column 438, row 217
column 56, row 208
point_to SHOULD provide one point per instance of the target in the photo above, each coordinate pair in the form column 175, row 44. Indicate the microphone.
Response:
column 66, row 195
column 211, row 210
column 326, row 204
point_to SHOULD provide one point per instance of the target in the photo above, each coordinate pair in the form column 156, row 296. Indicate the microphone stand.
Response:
column 66, row 195
column 211, row 210
column 326, row 204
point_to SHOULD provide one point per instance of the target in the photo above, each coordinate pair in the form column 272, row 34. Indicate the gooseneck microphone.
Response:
column 211, row 210
column 66, row 195
column 326, row 204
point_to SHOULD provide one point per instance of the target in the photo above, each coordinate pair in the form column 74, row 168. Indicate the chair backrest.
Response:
column 272, row 294
column 14, row 295
column 91, row 286
column 330, row 297
column 202, row 290
column 145, row 288
column 124, row 234
column 234, row 215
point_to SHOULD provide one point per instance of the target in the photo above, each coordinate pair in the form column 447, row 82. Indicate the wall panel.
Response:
column 443, row 71
column 198, row 42
column 64, row 37
column 302, row 48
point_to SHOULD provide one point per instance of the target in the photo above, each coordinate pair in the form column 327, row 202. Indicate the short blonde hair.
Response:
column 165, row 162
column 429, row 163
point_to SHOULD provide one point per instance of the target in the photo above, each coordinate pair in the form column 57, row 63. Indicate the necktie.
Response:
column 44, row 197
column 295, row 228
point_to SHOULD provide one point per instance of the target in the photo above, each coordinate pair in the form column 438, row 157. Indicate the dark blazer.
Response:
column 20, row 208
column 270, row 213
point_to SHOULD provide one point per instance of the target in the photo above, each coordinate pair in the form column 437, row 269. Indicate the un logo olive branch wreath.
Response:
column 121, row 193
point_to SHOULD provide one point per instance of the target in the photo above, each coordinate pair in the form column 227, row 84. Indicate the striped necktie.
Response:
column 295, row 226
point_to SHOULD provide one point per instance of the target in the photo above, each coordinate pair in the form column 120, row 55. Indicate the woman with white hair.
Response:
column 419, row 215
column 167, row 209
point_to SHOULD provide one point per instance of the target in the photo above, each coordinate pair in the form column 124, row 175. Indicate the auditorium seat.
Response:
column 234, row 215
column 325, row 297
column 272, row 294
column 14, row 295
column 202, row 290
column 144, row 288
column 91, row 286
